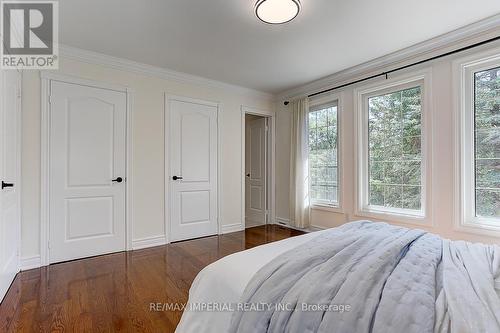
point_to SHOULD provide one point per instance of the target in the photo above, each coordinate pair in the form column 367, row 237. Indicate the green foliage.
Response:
column 487, row 142
column 323, row 155
column 395, row 158
column 395, row 149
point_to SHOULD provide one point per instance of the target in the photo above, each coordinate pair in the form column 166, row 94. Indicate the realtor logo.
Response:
column 29, row 35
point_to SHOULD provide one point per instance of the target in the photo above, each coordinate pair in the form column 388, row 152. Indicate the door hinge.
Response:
column 18, row 92
column 48, row 245
column 50, row 99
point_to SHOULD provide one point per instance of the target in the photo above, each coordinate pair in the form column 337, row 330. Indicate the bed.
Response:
column 378, row 277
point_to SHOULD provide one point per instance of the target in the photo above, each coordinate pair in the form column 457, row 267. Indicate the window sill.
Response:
column 395, row 216
column 478, row 227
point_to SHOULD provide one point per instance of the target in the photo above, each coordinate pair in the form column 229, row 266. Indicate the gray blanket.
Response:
column 361, row 277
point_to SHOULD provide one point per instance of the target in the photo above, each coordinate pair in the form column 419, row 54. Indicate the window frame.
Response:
column 423, row 216
column 465, row 218
column 314, row 104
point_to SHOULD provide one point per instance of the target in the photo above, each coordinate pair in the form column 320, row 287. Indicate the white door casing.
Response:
column 87, row 156
column 256, row 172
column 10, row 158
column 193, row 158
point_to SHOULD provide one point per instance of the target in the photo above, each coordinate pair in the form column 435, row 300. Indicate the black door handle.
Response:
column 118, row 180
column 248, row 175
column 4, row 185
column 177, row 178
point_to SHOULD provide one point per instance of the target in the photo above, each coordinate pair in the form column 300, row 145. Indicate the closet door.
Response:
column 87, row 171
column 193, row 167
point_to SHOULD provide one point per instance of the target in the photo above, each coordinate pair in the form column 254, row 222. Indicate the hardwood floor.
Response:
column 112, row 293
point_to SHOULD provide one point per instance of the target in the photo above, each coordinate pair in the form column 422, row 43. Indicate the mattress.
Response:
column 220, row 285
column 394, row 274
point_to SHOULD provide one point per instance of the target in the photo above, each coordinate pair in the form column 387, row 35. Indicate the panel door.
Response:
column 193, row 171
column 87, row 171
column 10, row 112
column 255, row 166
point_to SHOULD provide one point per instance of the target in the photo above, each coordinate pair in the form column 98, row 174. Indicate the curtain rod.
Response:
column 465, row 48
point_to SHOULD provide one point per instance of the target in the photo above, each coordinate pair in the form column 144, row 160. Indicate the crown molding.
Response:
column 126, row 65
column 474, row 32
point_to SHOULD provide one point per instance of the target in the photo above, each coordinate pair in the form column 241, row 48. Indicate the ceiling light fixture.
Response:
column 277, row 11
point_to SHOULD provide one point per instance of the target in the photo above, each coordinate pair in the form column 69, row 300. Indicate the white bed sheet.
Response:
column 222, row 283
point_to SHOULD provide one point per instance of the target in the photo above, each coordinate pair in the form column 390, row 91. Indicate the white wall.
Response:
column 442, row 156
column 148, row 145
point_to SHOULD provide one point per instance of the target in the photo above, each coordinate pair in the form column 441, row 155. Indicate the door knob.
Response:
column 4, row 185
column 177, row 178
column 248, row 175
column 118, row 180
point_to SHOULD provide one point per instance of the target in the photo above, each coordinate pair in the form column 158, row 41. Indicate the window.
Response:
column 393, row 144
column 323, row 161
column 478, row 143
column 394, row 154
column 487, row 142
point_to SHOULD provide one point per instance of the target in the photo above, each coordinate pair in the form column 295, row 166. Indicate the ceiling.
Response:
column 223, row 40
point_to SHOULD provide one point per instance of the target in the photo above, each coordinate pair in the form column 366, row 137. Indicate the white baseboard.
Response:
column 286, row 223
column 144, row 243
column 226, row 229
column 36, row 262
column 316, row 228
column 281, row 220
column 30, row 263
column 251, row 224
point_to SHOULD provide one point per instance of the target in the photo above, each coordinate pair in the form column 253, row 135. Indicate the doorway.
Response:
column 257, row 170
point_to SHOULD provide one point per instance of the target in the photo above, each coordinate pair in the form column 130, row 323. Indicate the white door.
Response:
column 9, row 177
column 255, row 170
column 193, row 169
column 87, row 171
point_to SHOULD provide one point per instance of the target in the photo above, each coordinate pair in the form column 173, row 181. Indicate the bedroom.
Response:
column 129, row 167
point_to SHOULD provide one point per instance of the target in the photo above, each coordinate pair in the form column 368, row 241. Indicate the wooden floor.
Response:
column 112, row 293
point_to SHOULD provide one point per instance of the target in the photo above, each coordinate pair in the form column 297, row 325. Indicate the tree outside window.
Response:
column 487, row 142
column 395, row 149
column 323, row 162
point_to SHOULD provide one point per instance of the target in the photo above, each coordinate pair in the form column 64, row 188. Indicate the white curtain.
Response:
column 299, row 165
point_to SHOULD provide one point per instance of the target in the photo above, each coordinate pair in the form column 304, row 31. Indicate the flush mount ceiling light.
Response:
column 277, row 11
